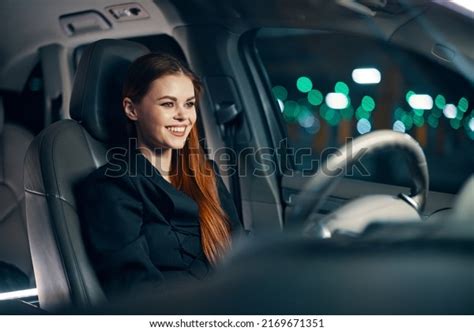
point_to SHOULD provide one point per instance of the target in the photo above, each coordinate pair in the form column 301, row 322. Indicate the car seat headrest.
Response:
column 96, row 100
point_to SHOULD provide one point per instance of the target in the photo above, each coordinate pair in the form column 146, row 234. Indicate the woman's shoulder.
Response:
column 107, row 177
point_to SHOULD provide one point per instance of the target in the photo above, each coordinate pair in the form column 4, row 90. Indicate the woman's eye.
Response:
column 167, row 104
column 190, row 104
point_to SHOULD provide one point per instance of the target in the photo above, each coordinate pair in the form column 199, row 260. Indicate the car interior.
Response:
column 356, row 197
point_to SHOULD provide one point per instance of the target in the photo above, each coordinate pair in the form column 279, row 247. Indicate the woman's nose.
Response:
column 180, row 114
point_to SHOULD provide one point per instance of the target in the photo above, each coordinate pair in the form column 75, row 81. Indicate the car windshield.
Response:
column 332, row 86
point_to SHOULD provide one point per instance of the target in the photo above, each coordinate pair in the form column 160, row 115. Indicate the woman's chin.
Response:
column 177, row 144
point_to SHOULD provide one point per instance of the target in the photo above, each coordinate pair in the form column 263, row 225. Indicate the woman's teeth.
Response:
column 176, row 128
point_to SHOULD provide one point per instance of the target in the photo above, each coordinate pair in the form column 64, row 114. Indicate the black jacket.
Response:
column 139, row 229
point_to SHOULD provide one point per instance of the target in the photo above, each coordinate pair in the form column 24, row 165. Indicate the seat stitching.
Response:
column 68, row 242
column 42, row 147
column 49, row 195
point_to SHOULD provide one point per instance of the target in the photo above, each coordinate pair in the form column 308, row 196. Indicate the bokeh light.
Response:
column 341, row 87
column 368, row 103
column 433, row 121
column 363, row 126
column 280, row 92
column 347, row 113
column 366, row 76
column 337, row 100
column 315, row 97
column 440, row 101
column 399, row 126
column 420, row 101
column 450, row 111
column 361, row 113
column 455, row 123
column 463, row 104
column 304, row 84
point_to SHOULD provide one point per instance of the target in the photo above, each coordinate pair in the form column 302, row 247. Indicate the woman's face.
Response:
column 166, row 114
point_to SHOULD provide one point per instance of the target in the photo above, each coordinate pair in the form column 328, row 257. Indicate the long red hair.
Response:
column 190, row 169
column 196, row 177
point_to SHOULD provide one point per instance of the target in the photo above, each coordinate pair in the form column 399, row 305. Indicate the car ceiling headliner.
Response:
column 28, row 23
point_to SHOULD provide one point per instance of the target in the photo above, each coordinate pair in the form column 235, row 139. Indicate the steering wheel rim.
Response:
column 315, row 192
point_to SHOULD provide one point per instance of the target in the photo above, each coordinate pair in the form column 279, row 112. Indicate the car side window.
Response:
column 27, row 108
column 331, row 87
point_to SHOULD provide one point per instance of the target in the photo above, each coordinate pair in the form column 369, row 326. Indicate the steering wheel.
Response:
column 354, row 217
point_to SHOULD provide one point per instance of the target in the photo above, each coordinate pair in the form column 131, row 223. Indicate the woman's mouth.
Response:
column 177, row 131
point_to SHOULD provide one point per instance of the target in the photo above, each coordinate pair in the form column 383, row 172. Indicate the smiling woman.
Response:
column 158, row 212
column 162, row 112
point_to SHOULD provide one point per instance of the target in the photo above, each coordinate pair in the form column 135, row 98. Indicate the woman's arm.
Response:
column 112, row 222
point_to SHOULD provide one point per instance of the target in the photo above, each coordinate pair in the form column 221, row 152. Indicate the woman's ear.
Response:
column 129, row 109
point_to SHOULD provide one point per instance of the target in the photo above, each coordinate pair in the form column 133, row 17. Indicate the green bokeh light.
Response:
column 347, row 113
column 291, row 110
column 436, row 112
column 455, row 123
column 433, row 121
column 407, row 120
column 349, row 101
column 399, row 112
column 280, row 92
column 418, row 112
column 463, row 104
column 409, row 94
column 341, row 87
column 304, row 84
column 368, row 103
column 362, row 113
column 467, row 121
column 303, row 114
column 440, row 101
column 419, row 121
column 334, row 117
column 315, row 97
column 330, row 115
column 323, row 110
column 468, row 125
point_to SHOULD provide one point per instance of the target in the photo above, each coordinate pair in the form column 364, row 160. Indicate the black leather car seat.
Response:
column 14, row 248
column 58, row 159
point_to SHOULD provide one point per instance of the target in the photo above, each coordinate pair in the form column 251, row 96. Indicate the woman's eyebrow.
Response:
column 174, row 98
column 167, row 97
